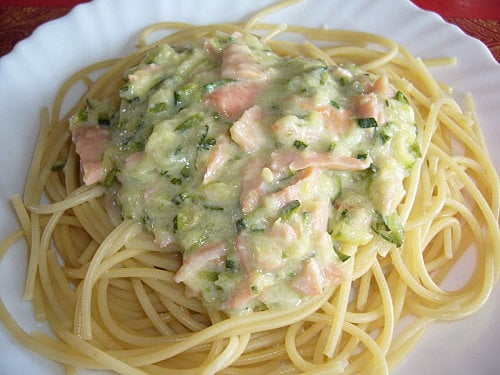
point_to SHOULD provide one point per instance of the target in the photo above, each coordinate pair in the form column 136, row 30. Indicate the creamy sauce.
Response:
column 266, row 171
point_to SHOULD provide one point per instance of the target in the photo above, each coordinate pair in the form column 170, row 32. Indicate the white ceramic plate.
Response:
column 31, row 73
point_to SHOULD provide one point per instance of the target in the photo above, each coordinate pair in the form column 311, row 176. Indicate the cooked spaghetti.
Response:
column 161, row 275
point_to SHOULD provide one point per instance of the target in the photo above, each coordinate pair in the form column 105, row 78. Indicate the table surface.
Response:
column 479, row 19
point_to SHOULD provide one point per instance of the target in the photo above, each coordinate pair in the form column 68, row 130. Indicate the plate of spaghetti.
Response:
column 283, row 187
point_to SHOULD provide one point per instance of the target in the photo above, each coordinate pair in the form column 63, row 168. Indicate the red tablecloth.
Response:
column 478, row 18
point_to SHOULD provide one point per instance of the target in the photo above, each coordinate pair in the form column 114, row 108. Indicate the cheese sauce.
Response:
column 266, row 171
